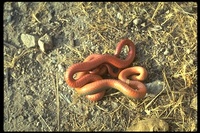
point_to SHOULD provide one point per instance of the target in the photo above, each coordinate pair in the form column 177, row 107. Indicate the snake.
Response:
column 131, row 87
column 90, row 83
column 94, row 63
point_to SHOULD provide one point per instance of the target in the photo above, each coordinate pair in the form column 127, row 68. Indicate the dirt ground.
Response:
column 36, row 97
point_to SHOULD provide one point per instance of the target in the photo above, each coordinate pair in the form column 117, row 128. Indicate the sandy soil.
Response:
column 36, row 97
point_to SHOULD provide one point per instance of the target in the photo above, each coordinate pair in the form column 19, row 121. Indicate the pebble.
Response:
column 119, row 16
column 182, row 41
column 31, row 56
column 60, row 68
column 154, row 87
column 137, row 21
column 45, row 43
column 166, row 52
column 60, row 82
column 188, row 51
column 143, row 24
column 19, row 51
column 28, row 40
column 93, row 48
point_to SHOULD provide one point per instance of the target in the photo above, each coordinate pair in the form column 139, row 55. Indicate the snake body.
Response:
column 90, row 83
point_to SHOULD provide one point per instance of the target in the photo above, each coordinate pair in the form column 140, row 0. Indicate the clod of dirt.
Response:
column 45, row 43
column 150, row 124
column 28, row 40
column 194, row 103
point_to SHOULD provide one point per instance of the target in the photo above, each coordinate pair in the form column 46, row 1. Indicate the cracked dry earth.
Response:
column 36, row 97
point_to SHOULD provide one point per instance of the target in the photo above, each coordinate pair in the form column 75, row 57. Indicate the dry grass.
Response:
column 10, row 62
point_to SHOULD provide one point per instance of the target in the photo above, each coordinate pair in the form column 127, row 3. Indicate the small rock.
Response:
column 188, row 51
column 143, row 24
column 60, row 82
column 166, row 52
column 137, row 21
column 93, row 48
column 28, row 40
column 45, row 43
column 31, row 56
column 19, row 51
column 119, row 16
column 60, row 68
column 167, row 12
column 182, row 41
column 154, row 87
column 54, row 60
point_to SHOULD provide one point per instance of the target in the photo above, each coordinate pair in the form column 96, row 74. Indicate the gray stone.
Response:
column 155, row 87
column 61, row 68
column 45, row 43
column 28, row 40
column 166, row 52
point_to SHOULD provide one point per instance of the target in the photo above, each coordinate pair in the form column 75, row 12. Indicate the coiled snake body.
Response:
column 89, row 79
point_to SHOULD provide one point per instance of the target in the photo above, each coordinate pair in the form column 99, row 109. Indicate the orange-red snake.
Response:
column 89, row 79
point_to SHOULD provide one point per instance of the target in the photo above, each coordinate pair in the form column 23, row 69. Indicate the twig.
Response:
column 57, row 102
column 16, row 58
